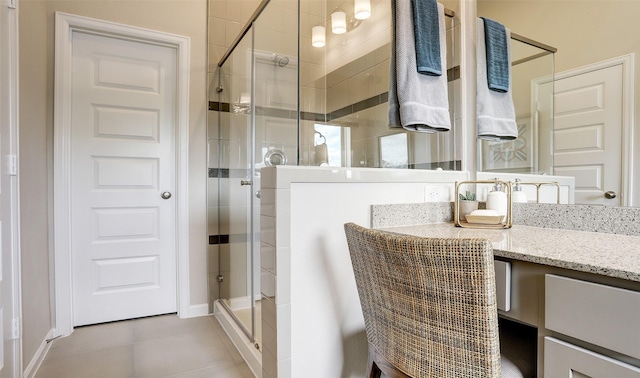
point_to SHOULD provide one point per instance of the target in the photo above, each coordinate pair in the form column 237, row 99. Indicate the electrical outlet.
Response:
column 436, row 193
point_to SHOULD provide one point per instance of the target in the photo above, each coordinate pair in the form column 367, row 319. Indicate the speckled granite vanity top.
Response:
column 600, row 253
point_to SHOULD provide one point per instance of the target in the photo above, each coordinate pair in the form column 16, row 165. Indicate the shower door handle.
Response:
column 245, row 182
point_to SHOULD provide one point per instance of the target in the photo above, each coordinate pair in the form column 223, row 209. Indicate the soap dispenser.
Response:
column 497, row 199
column 518, row 195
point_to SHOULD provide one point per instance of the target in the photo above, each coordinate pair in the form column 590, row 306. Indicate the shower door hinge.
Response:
column 220, row 278
column 12, row 165
column 15, row 328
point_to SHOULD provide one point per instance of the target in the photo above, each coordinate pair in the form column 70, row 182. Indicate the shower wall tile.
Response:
column 312, row 100
column 212, row 126
column 268, row 284
column 305, row 26
column 217, row 31
column 270, row 338
column 224, row 226
column 317, row 8
column 268, row 258
column 213, row 263
column 268, row 202
column 269, row 364
column 248, row 7
column 212, row 84
column 268, row 308
column 234, row 11
column 268, row 230
column 224, row 255
column 217, row 8
column 283, row 281
column 212, row 224
column 232, row 29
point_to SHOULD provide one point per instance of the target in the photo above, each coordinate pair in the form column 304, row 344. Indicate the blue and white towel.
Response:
column 426, row 27
column 496, row 114
column 417, row 102
column 497, row 46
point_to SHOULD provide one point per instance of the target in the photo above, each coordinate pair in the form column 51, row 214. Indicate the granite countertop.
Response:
column 605, row 254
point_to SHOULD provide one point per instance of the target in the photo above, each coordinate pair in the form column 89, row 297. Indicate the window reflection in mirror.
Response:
column 394, row 151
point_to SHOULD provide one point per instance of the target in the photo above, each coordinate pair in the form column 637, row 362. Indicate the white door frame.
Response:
column 66, row 24
column 11, row 272
column 628, row 97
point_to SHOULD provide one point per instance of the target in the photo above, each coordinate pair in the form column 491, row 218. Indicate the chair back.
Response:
column 429, row 304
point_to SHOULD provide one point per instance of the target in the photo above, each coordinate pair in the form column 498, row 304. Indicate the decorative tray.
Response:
column 484, row 219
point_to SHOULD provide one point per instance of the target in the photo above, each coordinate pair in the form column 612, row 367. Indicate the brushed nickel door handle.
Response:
column 610, row 194
column 165, row 195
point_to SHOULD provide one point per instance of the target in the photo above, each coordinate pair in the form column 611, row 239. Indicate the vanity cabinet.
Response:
column 601, row 315
column 565, row 360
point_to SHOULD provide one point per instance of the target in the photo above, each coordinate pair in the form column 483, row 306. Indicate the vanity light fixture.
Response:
column 338, row 22
column 317, row 36
column 362, row 9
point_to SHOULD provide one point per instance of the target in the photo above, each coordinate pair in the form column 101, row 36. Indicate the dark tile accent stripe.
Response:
column 452, row 74
column 316, row 117
column 218, row 239
column 219, row 106
column 218, row 172
column 226, row 173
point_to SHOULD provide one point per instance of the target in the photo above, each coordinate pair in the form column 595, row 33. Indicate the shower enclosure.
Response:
column 254, row 107
column 277, row 99
column 281, row 95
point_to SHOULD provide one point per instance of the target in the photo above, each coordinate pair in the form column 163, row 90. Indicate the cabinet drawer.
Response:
column 602, row 315
column 564, row 360
column 503, row 284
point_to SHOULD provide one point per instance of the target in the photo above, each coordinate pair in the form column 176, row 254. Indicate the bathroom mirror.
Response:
column 589, row 36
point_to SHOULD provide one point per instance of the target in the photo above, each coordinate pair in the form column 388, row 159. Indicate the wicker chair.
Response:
column 429, row 305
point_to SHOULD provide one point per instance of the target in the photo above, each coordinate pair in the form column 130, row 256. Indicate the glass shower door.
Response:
column 235, row 194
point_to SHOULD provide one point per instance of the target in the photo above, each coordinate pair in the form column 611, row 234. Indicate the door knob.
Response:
column 245, row 182
column 165, row 195
column 610, row 194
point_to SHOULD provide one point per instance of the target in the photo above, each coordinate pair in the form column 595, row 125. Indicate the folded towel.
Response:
column 416, row 102
column 427, row 36
column 496, row 113
column 498, row 63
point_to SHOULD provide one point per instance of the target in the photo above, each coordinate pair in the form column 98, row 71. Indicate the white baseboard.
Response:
column 33, row 366
column 197, row 310
column 251, row 355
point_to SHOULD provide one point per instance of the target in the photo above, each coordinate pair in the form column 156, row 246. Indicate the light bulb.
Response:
column 362, row 9
column 317, row 36
column 338, row 22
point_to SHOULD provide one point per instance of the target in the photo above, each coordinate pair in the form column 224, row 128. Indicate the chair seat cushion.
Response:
column 509, row 369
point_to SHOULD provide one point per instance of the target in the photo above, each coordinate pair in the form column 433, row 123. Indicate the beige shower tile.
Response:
column 234, row 11
column 217, row 31
column 217, row 8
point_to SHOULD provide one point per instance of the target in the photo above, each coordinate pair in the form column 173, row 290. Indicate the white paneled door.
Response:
column 123, row 178
column 588, row 133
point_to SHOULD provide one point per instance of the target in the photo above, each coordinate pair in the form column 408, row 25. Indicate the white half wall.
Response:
column 311, row 310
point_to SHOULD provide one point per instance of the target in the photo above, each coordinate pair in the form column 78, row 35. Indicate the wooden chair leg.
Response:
column 372, row 369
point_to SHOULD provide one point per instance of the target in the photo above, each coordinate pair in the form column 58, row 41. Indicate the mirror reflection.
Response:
column 594, row 109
